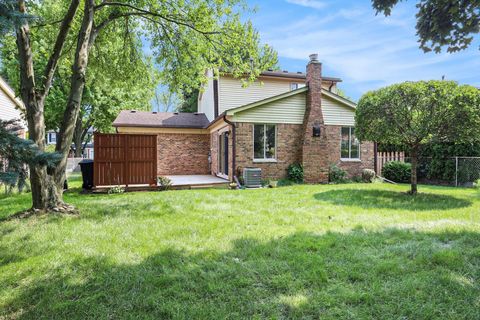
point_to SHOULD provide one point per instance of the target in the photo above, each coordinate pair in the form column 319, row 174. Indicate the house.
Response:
column 11, row 107
column 281, row 119
column 87, row 153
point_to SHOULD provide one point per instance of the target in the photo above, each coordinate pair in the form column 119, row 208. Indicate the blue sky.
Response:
column 365, row 50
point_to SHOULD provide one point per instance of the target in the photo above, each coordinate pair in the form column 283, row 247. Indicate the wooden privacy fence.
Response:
column 125, row 159
column 384, row 157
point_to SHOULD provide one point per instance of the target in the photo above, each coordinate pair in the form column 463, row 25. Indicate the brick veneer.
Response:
column 315, row 159
column 289, row 149
column 180, row 153
column 332, row 152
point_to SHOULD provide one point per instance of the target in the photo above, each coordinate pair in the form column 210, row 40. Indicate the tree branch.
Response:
column 143, row 12
column 57, row 49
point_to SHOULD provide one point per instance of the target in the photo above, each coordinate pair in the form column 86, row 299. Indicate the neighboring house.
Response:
column 51, row 139
column 11, row 107
column 281, row 119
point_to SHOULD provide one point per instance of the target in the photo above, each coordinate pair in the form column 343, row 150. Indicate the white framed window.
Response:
column 52, row 138
column 294, row 86
column 350, row 146
column 264, row 142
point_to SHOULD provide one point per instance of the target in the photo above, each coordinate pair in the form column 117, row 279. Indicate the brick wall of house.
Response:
column 180, row 153
column 289, row 147
column 333, row 152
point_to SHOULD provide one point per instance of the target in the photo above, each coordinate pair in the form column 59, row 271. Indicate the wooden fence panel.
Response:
column 125, row 159
column 384, row 157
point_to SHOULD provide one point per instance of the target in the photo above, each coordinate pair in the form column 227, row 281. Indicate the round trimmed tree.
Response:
column 412, row 114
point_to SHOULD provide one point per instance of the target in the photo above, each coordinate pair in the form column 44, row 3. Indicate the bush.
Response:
column 337, row 175
column 295, row 172
column 164, row 182
column 116, row 190
column 397, row 171
column 368, row 175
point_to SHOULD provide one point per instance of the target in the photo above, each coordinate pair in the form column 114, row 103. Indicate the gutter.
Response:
column 234, row 144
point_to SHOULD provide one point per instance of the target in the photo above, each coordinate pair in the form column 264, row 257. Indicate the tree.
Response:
column 441, row 23
column 16, row 153
column 187, row 38
column 413, row 114
column 165, row 100
column 116, row 81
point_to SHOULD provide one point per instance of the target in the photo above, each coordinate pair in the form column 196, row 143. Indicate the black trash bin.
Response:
column 87, row 173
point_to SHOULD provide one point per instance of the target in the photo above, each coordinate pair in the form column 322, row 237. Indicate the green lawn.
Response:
column 353, row 251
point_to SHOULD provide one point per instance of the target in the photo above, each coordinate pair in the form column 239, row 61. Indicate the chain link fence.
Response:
column 453, row 171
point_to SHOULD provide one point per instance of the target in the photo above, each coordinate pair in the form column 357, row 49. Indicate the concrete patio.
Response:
column 196, row 181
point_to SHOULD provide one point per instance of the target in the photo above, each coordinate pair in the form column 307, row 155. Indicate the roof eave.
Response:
column 116, row 125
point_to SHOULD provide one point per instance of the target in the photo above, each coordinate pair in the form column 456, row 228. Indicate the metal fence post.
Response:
column 456, row 171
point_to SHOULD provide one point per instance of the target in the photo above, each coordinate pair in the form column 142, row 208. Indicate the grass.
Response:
column 353, row 251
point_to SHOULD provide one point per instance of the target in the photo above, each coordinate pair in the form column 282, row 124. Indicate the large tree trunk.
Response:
column 34, row 112
column 70, row 116
column 41, row 182
column 413, row 187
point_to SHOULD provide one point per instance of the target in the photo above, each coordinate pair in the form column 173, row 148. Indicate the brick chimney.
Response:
column 314, row 151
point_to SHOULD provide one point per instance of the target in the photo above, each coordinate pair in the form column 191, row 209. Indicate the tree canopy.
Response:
column 185, row 37
column 413, row 114
column 441, row 23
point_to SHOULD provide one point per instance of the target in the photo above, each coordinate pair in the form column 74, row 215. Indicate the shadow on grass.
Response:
column 384, row 199
column 392, row 274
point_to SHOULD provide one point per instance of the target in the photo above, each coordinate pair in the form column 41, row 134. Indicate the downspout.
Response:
column 331, row 86
column 234, row 145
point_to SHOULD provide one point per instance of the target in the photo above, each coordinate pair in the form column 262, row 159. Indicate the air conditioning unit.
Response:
column 252, row 177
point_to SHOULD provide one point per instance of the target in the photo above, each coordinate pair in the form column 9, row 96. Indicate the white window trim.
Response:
column 297, row 85
column 51, row 135
column 350, row 159
column 264, row 159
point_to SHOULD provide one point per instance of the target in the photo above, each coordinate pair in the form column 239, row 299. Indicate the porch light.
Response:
column 316, row 130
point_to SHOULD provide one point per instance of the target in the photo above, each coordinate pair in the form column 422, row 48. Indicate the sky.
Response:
column 367, row 51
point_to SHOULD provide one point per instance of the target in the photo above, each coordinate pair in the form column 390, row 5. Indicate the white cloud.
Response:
column 315, row 4
column 368, row 51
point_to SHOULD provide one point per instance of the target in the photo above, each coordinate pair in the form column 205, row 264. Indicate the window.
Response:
column 264, row 142
column 52, row 138
column 350, row 148
column 293, row 86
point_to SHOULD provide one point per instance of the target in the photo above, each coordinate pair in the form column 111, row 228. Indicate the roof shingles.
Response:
column 132, row 118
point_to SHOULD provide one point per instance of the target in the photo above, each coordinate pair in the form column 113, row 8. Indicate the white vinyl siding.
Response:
column 206, row 101
column 288, row 110
column 337, row 114
column 7, row 108
column 231, row 94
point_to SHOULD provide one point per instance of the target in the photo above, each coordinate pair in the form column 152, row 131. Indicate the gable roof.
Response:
column 325, row 92
column 5, row 87
column 133, row 118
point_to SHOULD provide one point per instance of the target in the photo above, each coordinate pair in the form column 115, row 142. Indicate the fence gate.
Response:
column 124, row 159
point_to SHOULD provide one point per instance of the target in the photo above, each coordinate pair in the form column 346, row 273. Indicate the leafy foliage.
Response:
column 414, row 114
column 16, row 153
column 397, row 171
column 368, row 175
column 442, row 23
column 164, row 182
column 295, row 172
column 336, row 174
